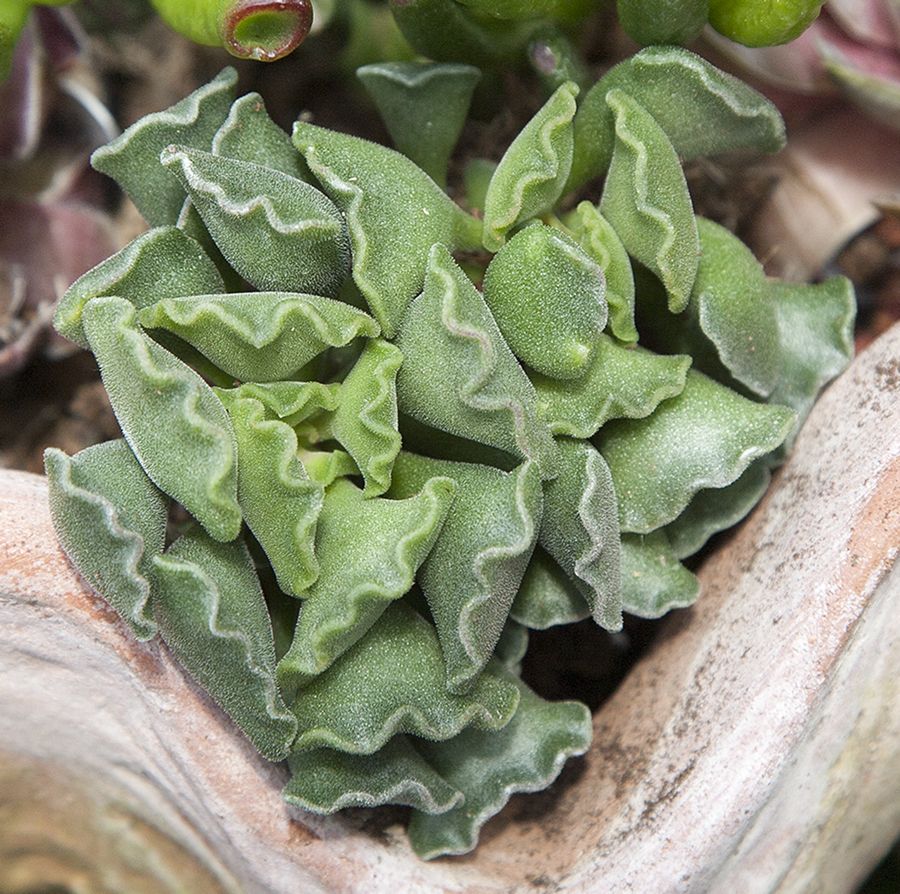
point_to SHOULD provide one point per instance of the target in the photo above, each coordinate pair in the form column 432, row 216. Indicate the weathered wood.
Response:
column 755, row 749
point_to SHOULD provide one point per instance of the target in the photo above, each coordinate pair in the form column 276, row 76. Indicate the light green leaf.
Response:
column 394, row 213
column 276, row 231
column 662, row 21
column 368, row 552
column 292, row 402
column 392, row 681
column 162, row 263
column 424, row 105
column 512, row 646
column 533, row 171
column 646, row 200
column 459, row 375
column 212, row 615
column 327, row 466
column 551, row 320
column 704, row 437
column 472, row 574
column 177, row 428
column 653, row 580
column 547, row 596
column 260, row 336
column 132, row 159
column 110, row 520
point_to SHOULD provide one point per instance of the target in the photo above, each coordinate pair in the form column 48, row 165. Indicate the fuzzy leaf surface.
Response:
column 547, row 596
column 292, row 402
column 326, row 466
column 653, row 580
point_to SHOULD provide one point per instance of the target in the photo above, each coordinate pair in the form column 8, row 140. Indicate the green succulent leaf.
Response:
column 488, row 767
column 663, row 21
column 477, row 176
column 169, row 415
column 280, row 503
column 646, row 199
column 276, row 231
column 512, row 646
column 162, row 263
column 325, row 781
column 621, row 382
column 580, row 529
column 326, row 466
column 292, row 402
column 110, row 520
column 551, row 321
column 132, row 159
column 424, row 105
column 369, row 551
column 702, row 110
column 213, row 616
column 395, row 213
column 548, row 596
column 704, row 437
column 653, row 580
column 392, row 681
column 458, row 373
column 472, row 574
column 534, row 169
column 260, row 336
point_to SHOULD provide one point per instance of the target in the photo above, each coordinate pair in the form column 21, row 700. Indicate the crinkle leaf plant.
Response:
column 407, row 429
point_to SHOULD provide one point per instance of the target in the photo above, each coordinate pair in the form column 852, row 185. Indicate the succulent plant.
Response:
column 405, row 430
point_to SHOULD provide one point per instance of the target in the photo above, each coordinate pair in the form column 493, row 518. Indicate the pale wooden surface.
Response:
column 755, row 749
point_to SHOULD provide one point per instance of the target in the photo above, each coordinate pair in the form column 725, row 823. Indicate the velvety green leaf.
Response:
column 368, row 552
column 325, row 781
column 395, row 213
column 280, row 503
column 260, row 336
column 653, row 580
column 662, row 21
column 646, row 199
column 212, row 615
column 555, row 57
column 110, row 520
column 176, row 426
column 533, row 171
column 621, row 382
column 132, row 159
column 392, row 681
column 424, row 106
column 278, row 232
column 512, row 646
column 595, row 235
column 162, row 263
column 552, row 319
column 525, row 756
column 714, row 510
column 702, row 110
column 704, row 437
column 327, row 466
column 459, row 375
column 580, row 529
column 472, row 574
column 547, row 596
column 292, row 402
column 476, row 180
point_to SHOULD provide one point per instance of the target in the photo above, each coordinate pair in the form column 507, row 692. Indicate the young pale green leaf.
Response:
column 213, row 616
column 132, row 159
column 547, row 596
column 650, row 22
column 395, row 212
column 162, row 263
column 653, row 580
column 512, row 646
column 534, row 169
column 702, row 110
column 110, row 520
column 704, row 437
column 276, row 231
column 292, row 402
column 472, row 574
column 580, row 529
column 551, row 319
column 368, row 552
column 424, row 105
column 280, row 502
column 646, row 200
column 177, row 428
column 326, row 466
column 325, row 781
column 365, row 421
column 621, row 382
column 593, row 233
column 476, row 180
column 458, row 373
column 260, row 336
column 714, row 510
column 488, row 767
column 392, row 681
